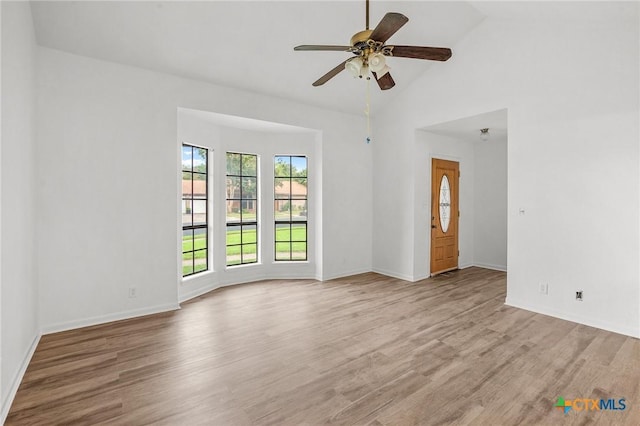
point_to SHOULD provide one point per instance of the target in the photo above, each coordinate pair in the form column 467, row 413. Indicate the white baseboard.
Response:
column 343, row 274
column 501, row 268
column 615, row 328
column 394, row 274
column 197, row 292
column 424, row 277
column 417, row 278
column 15, row 383
column 117, row 316
column 245, row 280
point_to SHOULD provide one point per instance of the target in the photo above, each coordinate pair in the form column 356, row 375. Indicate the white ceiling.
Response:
column 468, row 128
column 249, row 45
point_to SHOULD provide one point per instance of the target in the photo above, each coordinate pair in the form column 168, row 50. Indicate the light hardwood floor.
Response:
column 367, row 349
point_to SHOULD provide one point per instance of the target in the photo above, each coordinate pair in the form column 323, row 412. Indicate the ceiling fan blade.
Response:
column 420, row 52
column 385, row 82
column 328, row 76
column 390, row 23
column 321, row 47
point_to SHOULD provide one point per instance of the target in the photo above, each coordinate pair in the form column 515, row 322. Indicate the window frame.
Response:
column 241, row 224
column 200, row 226
column 290, row 221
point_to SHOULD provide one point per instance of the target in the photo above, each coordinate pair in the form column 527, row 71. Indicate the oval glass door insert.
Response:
column 445, row 203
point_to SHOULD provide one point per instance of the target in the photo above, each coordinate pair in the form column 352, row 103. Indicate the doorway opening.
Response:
column 482, row 196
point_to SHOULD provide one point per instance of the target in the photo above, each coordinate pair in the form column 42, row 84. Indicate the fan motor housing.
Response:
column 360, row 37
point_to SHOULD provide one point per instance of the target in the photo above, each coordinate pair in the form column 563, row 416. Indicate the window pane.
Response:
column 233, row 235
column 242, row 208
column 200, row 260
column 194, row 210
column 199, row 212
column 186, row 157
column 445, row 203
column 187, row 240
column 299, row 188
column 282, row 166
column 233, row 211
column 282, row 209
column 249, row 187
column 283, row 251
column 249, row 254
column 187, row 185
column 249, row 165
column 199, row 185
column 249, row 234
column 282, row 188
column 283, row 232
column 233, row 163
column 298, row 251
column 290, row 205
column 249, row 212
column 199, row 239
column 187, row 263
column 199, row 160
column 299, row 210
column 186, row 212
column 299, row 166
column 233, row 255
column 233, row 187
column 299, row 232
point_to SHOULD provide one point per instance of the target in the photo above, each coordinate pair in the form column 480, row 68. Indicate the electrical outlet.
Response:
column 132, row 292
column 544, row 288
column 579, row 295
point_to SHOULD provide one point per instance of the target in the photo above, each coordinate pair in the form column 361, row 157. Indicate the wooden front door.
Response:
column 444, row 215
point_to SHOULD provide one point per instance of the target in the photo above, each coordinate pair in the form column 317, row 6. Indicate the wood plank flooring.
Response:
column 362, row 350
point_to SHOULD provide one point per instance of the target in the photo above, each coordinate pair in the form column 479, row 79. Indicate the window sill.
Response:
column 195, row 277
column 246, row 265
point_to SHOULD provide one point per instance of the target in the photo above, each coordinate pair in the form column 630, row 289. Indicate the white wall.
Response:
column 265, row 143
column 108, row 190
column 490, row 201
column 572, row 153
column 19, row 317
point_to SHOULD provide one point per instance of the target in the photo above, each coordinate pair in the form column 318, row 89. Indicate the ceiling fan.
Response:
column 370, row 51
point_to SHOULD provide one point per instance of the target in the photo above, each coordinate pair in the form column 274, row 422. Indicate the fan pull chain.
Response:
column 367, row 111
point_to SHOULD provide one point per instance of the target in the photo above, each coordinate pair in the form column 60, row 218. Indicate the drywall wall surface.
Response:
column 19, row 310
column 109, row 188
column 572, row 151
column 490, row 201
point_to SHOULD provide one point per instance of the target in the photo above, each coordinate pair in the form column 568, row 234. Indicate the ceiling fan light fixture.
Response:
column 484, row 134
column 370, row 48
column 383, row 71
column 354, row 66
column 364, row 72
column 377, row 62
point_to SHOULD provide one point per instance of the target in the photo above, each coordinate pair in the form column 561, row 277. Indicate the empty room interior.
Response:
column 312, row 212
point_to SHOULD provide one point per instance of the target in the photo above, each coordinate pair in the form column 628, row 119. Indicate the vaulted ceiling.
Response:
column 249, row 45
